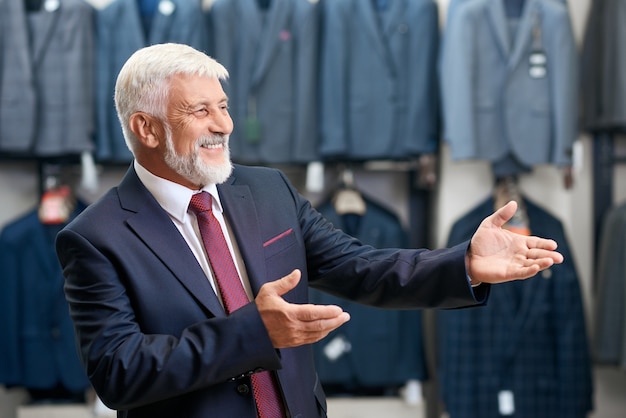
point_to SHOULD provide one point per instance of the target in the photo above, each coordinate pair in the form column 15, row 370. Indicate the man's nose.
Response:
column 221, row 123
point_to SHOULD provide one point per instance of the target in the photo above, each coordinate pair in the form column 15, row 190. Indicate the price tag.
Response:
column 337, row 347
column 506, row 402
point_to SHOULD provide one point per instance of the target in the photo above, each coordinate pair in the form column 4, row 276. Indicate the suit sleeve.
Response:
column 564, row 88
column 386, row 278
column 457, row 86
column 10, row 349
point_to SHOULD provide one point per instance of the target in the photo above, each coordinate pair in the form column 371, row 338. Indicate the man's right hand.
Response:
column 292, row 325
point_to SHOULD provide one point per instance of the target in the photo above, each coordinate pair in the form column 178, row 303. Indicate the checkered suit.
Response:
column 530, row 338
column 46, row 73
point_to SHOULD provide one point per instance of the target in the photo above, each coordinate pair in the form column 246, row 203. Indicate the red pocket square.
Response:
column 277, row 237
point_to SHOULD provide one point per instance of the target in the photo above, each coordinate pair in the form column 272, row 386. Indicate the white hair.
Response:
column 143, row 82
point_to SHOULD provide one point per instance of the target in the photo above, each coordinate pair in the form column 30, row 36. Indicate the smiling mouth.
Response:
column 212, row 146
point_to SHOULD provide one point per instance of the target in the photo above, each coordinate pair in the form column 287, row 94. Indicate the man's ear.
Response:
column 146, row 128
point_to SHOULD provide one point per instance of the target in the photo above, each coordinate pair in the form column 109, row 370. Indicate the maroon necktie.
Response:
column 264, row 384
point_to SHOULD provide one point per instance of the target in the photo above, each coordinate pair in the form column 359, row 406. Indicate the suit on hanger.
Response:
column 609, row 339
column 38, row 349
column 603, row 66
column 272, row 59
column 495, row 101
column 120, row 32
column 46, row 78
column 530, row 339
column 388, row 341
column 378, row 80
column 166, row 313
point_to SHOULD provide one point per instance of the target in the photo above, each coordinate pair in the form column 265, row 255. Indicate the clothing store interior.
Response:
column 405, row 122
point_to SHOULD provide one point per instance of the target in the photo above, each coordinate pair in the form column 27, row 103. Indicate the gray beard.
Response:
column 192, row 167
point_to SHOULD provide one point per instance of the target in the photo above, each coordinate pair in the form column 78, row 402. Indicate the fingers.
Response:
column 503, row 215
column 291, row 325
column 317, row 321
column 542, row 243
column 541, row 248
column 537, row 254
column 284, row 284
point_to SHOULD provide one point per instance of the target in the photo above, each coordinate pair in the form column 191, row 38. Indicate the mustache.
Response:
column 212, row 139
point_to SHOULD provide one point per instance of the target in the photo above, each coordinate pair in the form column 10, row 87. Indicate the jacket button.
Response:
column 55, row 333
column 243, row 389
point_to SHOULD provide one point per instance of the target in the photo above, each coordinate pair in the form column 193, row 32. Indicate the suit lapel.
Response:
column 20, row 46
column 393, row 17
column 240, row 211
column 530, row 307
column 161, row 25
column 47, row 21
column 498, row 21
column 373, row 26
column 530, row 17
column 276, row 30
column 144, row 214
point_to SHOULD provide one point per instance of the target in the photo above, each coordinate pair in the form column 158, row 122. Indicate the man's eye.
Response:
column 201, row 112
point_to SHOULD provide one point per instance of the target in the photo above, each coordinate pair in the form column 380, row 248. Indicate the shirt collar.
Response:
column 173, row 197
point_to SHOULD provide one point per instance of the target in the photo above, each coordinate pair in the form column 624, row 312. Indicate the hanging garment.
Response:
column 46, row 78
column 603, row 67
column 609, row 339
column 510, row 85
column 120, row 32
column 377, row 348
column 38, row 349
column 379, row 79
column 271, row 54
column 525, row 353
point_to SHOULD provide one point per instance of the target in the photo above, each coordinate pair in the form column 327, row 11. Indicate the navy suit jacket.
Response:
column 529, row 339
column 155, row 340
column 37, row 349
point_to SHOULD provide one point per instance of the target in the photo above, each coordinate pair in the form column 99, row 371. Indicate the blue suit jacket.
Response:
column 530, row 338
column 272, row 59
column 379, row 80
column 37, row 349
column 153, row 336
column 120, row 33
column 492, row 107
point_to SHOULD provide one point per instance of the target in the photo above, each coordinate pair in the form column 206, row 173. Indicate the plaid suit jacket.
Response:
column 46, row 72
column 529, row 339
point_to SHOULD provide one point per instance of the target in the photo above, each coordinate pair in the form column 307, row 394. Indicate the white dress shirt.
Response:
column 174, row 199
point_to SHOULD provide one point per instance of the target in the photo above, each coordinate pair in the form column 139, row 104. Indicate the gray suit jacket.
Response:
column 46, row 70
column 603, row 67
column 120, row 33
column 492, row 105
column 379, row 78
column 272, row 60
column 609, row 339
